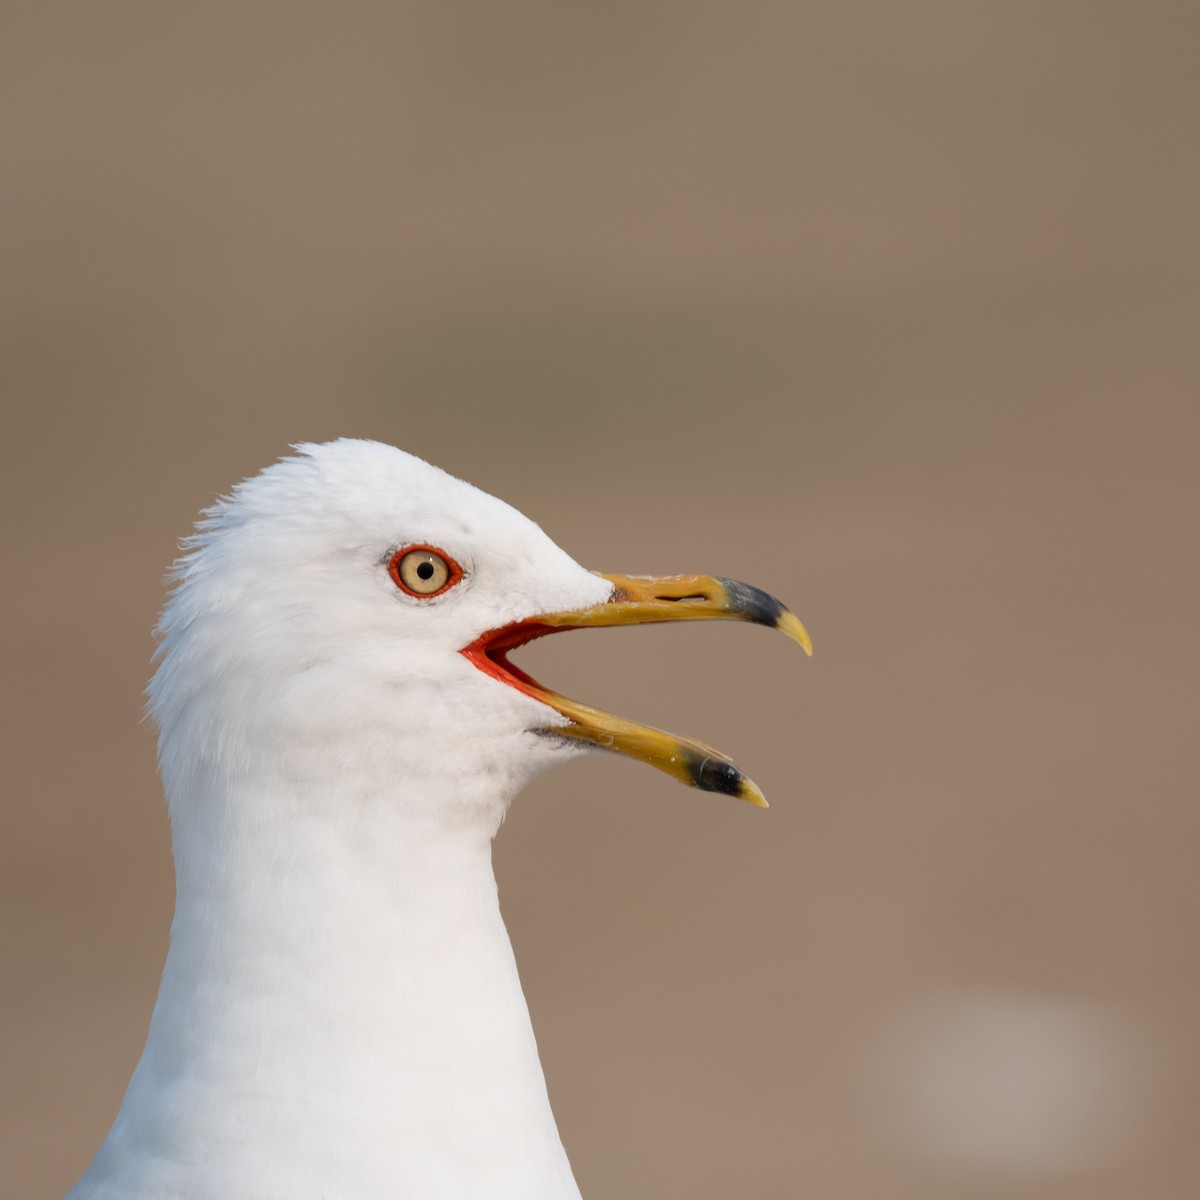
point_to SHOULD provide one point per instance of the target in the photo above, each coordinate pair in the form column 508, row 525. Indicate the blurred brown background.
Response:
column 891, row 309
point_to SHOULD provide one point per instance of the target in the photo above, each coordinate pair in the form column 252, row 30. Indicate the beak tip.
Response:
column 752, row 795
column 788, row 623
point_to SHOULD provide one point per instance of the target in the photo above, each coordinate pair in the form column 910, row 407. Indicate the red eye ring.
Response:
column 423, row 571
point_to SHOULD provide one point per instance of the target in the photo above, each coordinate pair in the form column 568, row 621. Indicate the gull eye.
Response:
column 424, row 571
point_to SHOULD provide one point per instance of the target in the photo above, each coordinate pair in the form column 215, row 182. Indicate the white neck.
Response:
column 340, row 1015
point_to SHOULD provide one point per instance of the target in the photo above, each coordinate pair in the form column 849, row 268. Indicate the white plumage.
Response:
column 340, row 1014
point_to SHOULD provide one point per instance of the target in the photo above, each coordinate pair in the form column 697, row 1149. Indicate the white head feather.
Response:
column 286, row 643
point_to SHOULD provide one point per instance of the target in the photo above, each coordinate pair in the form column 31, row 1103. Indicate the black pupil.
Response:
column 425, row 569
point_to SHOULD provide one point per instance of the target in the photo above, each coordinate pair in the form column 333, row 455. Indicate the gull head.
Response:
column 348, row 612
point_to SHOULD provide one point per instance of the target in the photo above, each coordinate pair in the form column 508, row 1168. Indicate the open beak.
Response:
column 641, row 600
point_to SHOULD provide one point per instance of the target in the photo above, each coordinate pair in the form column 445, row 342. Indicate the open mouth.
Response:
column 641, row 600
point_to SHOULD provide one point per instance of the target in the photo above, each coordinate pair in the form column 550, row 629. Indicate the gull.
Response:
column 340, row 736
